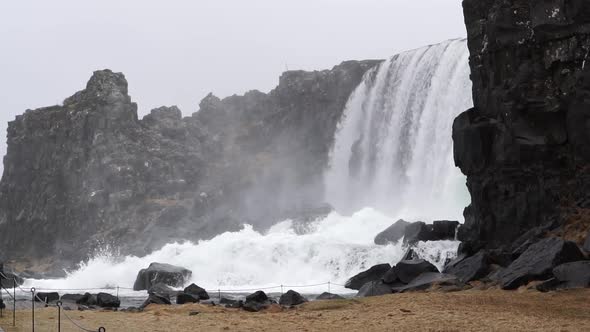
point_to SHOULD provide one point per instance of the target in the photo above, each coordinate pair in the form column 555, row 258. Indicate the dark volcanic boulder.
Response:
column 409, row 270
column 87, row 299
column 538, row 261
column 374, row 288
column 418, row 231
column 393, row 233
column 573, row 275
column 167, row 274
column 183, row 298
column 47, row 297
column 291, row 298
column 427, row 280
column 71, row 297
column 471, row 268
column 106, row 300
column 156, row 299
column 230, row 303
column 390, row 276
column 197, row 291
column 258, row 296
column 329, row 296
column 373, row 274
column 256, row 301
column 586, row 246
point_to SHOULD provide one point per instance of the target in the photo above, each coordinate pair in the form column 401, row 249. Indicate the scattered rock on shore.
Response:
column 183, row 298
column 291, row 298
column 156, row 299
column 538, row 261
column 106, row 300
column 47, row 297
column 408, row 270
column 374, row 288
column 197, row 291
column 470, row 268
column 329, row 296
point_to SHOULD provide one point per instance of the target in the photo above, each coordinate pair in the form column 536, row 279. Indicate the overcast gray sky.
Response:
column 174, row 52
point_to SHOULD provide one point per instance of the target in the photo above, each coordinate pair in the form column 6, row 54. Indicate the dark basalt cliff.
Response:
column 525, row 145
column 90, row 175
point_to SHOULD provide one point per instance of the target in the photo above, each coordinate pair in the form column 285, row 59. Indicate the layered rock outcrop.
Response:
column 525, row 145
column 89, row 174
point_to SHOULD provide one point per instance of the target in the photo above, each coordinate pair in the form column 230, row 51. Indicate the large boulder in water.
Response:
column 374, row 288
column 161, row 288
column 538, row 261
column 291, row 298
column 444, row 229
column 167, row 274
column 427, row 280
column 470, row 268
column 408, row 270
column 392, row 233
column 373, row 274
column 418, row 231
column 197, row 291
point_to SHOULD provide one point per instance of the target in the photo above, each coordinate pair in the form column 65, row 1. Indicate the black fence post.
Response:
column 14, row 301
column 59, row 316
column 33, row 309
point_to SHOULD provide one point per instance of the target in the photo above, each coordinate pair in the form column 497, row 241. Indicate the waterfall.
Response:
column 393, row 147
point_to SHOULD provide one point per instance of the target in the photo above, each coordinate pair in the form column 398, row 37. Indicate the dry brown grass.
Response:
column 473, row 310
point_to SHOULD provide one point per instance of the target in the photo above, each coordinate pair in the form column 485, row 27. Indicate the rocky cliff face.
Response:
column 90, row 175
column 525, row 145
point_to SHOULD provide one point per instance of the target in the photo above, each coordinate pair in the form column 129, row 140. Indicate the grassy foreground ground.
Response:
column 473, row 310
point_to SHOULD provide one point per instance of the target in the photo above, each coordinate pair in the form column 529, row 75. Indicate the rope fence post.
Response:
column 281, row 290
column 329, row 286
column 33, row 308
column 219, row 294
column 117, row 292
column 14, row 301
column 59, row 303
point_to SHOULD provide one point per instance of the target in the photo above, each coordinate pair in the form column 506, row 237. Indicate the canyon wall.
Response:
column 525, row 145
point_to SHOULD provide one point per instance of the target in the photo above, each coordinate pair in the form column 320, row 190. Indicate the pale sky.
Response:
column 174, row 52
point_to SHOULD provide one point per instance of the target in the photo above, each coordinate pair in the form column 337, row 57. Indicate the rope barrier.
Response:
column 100, row 329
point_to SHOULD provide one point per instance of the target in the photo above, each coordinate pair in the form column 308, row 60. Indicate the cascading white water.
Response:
column 392, row 154
column 393, row 148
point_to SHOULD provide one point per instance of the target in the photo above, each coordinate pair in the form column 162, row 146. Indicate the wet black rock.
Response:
column 329, row 296
column 427, row 280
column 166, row 274
column 230, row 303
column 183, row 298
column 291, row 298
column 87, row 300
column 46, row 297
column 573, row 275
column 444, row 229
column 470, row 268
column 373, row 274
column 538, row 261
column 106, row 300
column 408, row 270
column 390, row 276
column 258, row 296
column 256, row 302
column 525, row 145
column 156, row 299
column 374, row 288
column 418, row 231
column 393, row 233
column 199, row 292
column 71, row 297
